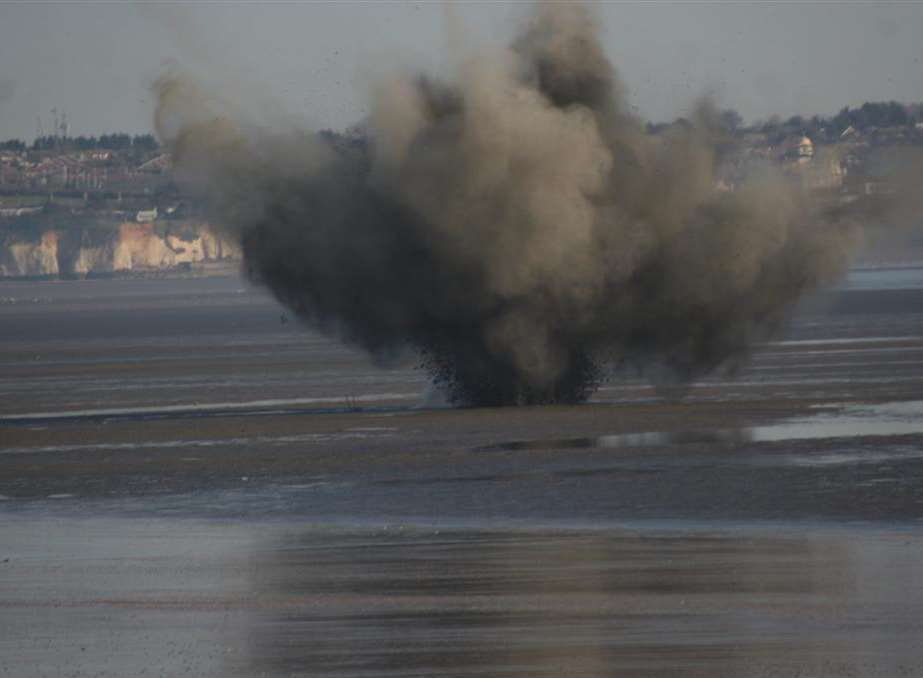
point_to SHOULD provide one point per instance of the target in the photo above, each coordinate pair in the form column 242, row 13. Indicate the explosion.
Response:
column 516, row 226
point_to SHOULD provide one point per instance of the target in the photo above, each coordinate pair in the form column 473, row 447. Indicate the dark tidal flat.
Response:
column 192, row 483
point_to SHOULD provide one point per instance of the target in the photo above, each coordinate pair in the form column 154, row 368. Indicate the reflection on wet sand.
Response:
column 569, row 604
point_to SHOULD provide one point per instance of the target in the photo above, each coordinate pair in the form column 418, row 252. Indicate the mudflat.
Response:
column 193, row 483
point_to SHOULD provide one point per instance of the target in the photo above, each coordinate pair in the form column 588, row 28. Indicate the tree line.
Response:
column 870, row 115
column 118, row 141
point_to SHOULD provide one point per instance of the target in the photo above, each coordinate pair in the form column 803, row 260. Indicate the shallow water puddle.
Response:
column 884, row 419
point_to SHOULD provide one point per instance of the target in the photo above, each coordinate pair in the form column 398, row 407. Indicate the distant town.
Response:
column 852, row 153
column 61, row 183
column 113, row 176
column 73, row 206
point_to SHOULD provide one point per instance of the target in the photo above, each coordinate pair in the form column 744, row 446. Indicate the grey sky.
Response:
column 315, row 61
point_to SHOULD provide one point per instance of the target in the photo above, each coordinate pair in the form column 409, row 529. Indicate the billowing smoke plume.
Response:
column 517, row 227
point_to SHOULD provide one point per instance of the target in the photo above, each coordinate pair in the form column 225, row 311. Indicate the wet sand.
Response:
column 192, row 484
column 116, row 597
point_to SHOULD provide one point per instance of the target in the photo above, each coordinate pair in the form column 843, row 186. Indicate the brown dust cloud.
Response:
column 514, row 225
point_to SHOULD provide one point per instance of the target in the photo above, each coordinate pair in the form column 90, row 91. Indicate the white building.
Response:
column 146, row 216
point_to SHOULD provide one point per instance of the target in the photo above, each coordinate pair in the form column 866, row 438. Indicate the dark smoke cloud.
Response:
column 515, row 226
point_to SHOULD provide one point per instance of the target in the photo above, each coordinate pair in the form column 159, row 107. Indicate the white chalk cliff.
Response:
column 129, row 247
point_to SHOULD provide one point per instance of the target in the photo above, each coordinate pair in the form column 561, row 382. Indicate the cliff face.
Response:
column 18, row 257
column 129, row 247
